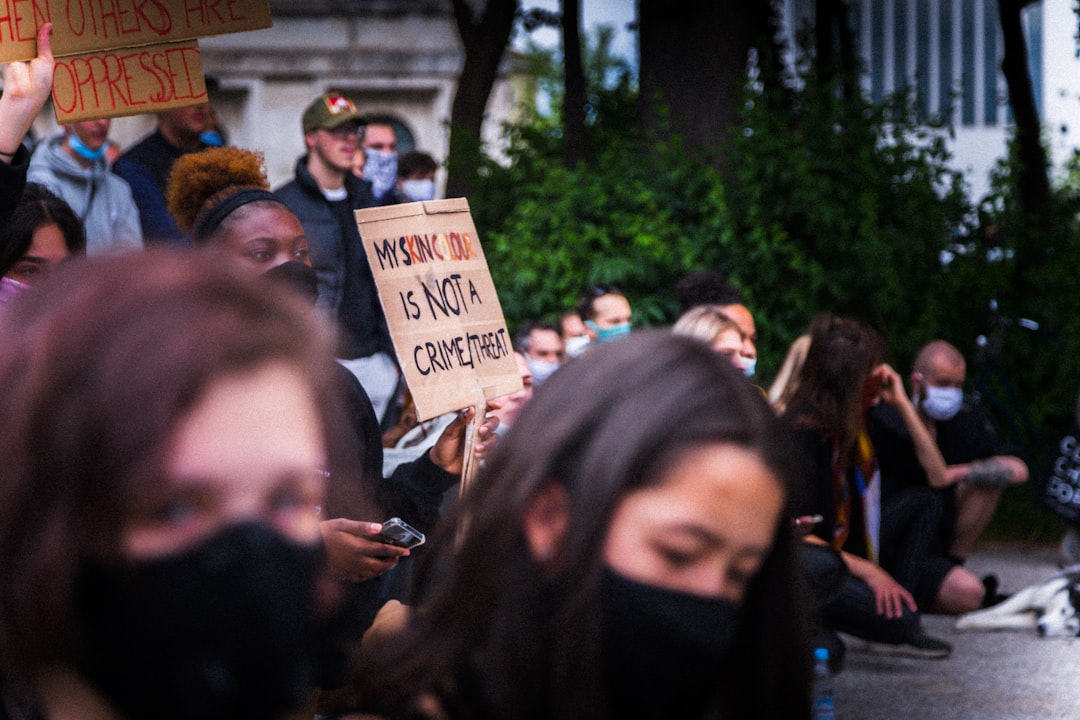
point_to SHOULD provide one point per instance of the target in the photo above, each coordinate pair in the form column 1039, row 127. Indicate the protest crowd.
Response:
column 206, row 427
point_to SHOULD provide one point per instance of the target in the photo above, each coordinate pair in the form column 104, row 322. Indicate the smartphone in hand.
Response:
column 396, row 531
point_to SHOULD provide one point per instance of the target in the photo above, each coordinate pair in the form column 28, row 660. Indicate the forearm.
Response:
column 857, row 566
column 997, row 471
column 926, row 449
column 16, row 117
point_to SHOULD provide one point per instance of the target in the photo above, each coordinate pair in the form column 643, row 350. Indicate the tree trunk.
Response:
column 1033, row 180
column 693, row 68
column 484, row 40
column 834, row 45
column 575, row 135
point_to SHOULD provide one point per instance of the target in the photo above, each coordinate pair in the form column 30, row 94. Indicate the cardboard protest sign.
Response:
column 128, row 81
column 85, row 26
column 440, row 303
column 124, row 57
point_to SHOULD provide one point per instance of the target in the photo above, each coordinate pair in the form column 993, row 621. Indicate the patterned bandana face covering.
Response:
column 381, row 170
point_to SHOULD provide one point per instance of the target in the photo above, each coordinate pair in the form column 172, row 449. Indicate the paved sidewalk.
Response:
column 989, row 676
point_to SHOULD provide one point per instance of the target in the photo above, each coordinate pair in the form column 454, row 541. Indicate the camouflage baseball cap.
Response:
column 328, row 112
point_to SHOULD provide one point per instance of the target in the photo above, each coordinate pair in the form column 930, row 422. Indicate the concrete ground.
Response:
column 989, row 676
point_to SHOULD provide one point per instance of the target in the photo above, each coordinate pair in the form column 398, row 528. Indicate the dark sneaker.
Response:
column 991, row 596
column 921, row 647
column 928, row 646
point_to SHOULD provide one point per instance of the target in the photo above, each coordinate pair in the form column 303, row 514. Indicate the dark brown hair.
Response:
column 97, row 367
column 499, row 635
column 38, row 207
column 842, row 354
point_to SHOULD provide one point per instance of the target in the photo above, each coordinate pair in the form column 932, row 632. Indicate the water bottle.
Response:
column 824, row 702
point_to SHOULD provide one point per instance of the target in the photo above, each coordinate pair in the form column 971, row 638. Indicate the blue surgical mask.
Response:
column 749, row 366
column 381, row 170
column 614, row 332
column 942, row 403
column 212, row 138
column 418, row 190
column 576, row 345
column 83, row 151
column 541, row 370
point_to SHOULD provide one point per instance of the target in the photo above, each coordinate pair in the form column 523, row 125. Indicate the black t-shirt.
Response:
column 966, row 437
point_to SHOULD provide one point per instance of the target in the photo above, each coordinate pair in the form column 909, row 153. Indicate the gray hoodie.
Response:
column 101, row 199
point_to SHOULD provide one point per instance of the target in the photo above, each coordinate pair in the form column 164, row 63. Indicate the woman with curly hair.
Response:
column 222, row 197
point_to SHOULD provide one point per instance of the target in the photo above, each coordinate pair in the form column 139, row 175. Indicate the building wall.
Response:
column 949, row 52
column 400, row 59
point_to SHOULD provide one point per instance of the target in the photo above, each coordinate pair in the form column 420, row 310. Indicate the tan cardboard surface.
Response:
column 128, row 81
column 85, row 26
column 440, row 303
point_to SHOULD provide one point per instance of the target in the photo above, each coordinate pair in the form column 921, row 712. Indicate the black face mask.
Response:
column 297, row 276
column 662, row 649
column 223, row 630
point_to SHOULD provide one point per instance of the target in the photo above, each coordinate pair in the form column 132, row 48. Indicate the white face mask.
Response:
column 576, row 345
column 418, row 190
column 749, row 366
column 541, row 370
column 942, row 403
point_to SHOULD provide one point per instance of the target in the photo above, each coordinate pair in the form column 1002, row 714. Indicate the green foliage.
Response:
column 638, row 221
column 829, row 202
column 846, row 207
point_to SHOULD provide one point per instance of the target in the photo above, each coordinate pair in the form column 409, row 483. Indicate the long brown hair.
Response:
column 498, row 635
column 842, row 354
column 97, row 367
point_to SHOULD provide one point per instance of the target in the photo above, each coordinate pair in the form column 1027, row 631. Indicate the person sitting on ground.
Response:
column 73, row 165
column 842, row 377
column 711, row 326
column 979, row 465
column 165, row 433
column 621, row 555
column 42, row 232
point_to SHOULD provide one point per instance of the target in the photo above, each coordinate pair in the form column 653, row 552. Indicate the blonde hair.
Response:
column 787, row 380
column 705, row 323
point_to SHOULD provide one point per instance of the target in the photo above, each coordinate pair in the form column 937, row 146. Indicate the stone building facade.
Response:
column 397, row 59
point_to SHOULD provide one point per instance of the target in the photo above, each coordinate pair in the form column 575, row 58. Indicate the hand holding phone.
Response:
column 396, row 531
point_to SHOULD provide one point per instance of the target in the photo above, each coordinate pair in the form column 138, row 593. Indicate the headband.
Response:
column 216, row 215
